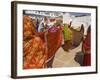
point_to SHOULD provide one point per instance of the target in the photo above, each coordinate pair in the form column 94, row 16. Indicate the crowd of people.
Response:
column 43, row 37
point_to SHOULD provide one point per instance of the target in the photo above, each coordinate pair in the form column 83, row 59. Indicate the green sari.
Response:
column 67, row 33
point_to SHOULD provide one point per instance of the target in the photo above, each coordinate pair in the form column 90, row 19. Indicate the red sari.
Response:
column 54, row 39
column 39, row 47
column 87, row 49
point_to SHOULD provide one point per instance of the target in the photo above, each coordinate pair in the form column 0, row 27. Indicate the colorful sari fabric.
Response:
column 67, row 33
column 68, row 36
column 34, row 48
column 34, row 53
column 86, row 47
column 39, row 47
column 54, row 40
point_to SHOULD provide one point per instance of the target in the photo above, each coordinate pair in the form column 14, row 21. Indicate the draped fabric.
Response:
column 54, row 39
column 68, row 36
column 39, row 47
column 67, row 33
column 34, row 53
column 87, row 60
column 86, row 47
column 34, row 49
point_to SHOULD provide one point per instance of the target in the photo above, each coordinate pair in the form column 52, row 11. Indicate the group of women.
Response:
column 40, row 42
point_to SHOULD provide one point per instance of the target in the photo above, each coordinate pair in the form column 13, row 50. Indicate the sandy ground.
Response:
column 66, row 59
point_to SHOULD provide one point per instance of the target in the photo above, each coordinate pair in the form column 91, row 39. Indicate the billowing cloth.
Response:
column 86, row 47
column 34, row 48
column 68, row 36
column 67, row 33
column 28, row 30
column 77, row 36
column 54, row 39
column 34, row 53
column 39, row 47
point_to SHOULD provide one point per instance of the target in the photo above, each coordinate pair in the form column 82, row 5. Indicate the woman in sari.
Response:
column 86, row 47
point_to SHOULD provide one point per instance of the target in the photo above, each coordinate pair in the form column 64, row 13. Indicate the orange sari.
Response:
column 39, row 47
column 34, row 48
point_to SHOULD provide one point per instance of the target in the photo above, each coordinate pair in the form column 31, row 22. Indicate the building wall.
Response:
column 85, row 20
